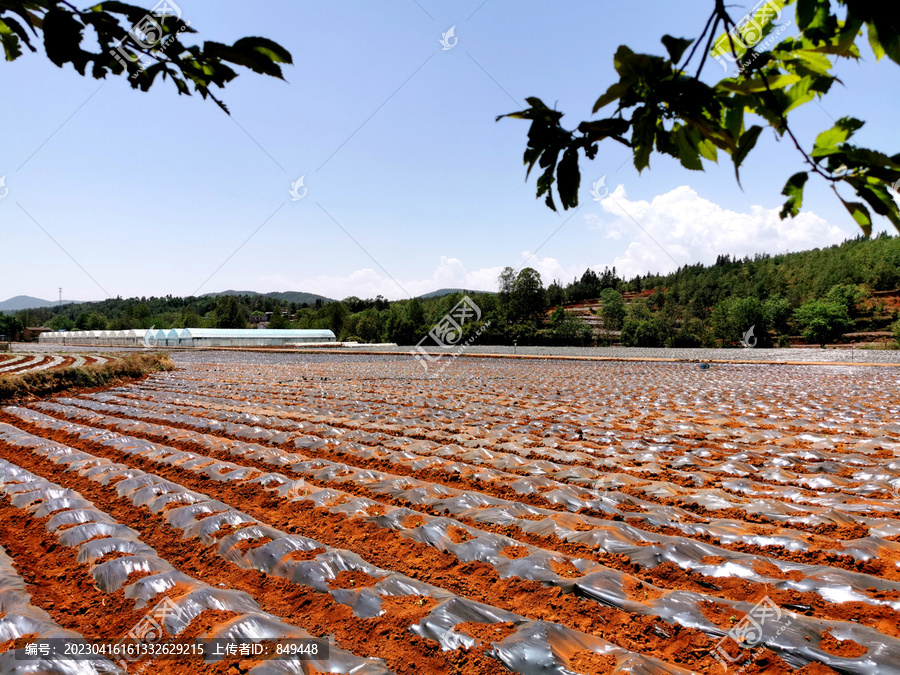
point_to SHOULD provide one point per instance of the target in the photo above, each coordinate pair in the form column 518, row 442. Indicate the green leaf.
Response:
column 633, row 66
column 874, row 42
column 687, row 153
column 734, row 120
column 643, row 136
column 757, row 84
column 133, row 13
column 597, row 130
column 827, row 142
column 888, row 33
column 623, row 54
column 793, row 190
column 708, row 150
column 613, row 93
column 877, row 195
column 244, row 53
column 812, row 14
column 676, row 47
column 62, row 39
column 265, row 47
column 799, row 94
column 872, row 159
column 815, row 61
column 17, row 30
column 861, row 215
column 745, row 145
column 10, row 41
column 568, row 179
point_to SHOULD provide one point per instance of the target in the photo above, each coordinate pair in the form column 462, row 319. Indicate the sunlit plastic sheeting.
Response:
column 613, row 537
column 538, row 647
column 339, row 661
column 573, row 498
column 367, row 601
column 609, row 536
column 685, row 553
column 316, row 573
column 613, row 456
column 591, row 581
column 18, row 618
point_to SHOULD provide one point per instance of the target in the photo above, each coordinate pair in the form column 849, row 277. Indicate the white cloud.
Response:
column 692, row 229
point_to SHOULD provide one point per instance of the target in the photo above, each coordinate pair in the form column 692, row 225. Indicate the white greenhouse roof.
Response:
column 254, row 333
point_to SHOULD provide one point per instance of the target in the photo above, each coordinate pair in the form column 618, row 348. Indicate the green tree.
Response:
column 59, row 322
column 567, row 328
column 778, row 312
column 278, row 321
column 732, row 319
column 398, row 328
column 10, row 326
column 415, row 315
column 747, row 313
column 638, row 310
column 142, row 44
column 643, row 333
column 367, row 328
column 663, row 105
column 188, row 318
column 641, row 328
column 847, row 296
column 528, row 297
column 230, row 313
column 91, row 321
column 506, row 283
column 822, row 322
column 555, row 294
column 692, row 333
column 558, row 317
column 332, row 317
column 612, row 309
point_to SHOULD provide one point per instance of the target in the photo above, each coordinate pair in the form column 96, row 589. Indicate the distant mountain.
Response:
column 447, row 291
column 216, row 295
column 28, row 302
column 299, row 297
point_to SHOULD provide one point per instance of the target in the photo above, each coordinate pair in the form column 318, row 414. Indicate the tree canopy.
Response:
column 135, row 42
column 663, row 105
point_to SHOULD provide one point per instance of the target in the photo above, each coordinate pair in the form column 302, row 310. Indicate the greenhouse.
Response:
column 188, row 337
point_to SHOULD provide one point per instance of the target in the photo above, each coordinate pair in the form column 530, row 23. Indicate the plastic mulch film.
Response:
column 18, row 617
column 251, row 623
column 366, row 601
column 534, row 647
column 882, row 477
column 616, row 537
column 607, row 535
column 575, row 497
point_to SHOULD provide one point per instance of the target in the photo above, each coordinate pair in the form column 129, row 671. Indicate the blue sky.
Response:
column 411, row 183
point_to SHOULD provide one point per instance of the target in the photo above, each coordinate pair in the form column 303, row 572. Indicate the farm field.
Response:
column 510, row 516
column 22, row 362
